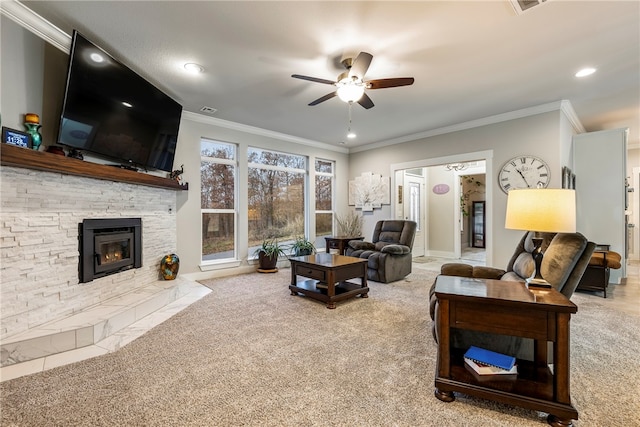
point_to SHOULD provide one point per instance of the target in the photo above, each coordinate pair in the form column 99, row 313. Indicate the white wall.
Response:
column 440, row 212
column 599, row 165
column 21, row 76
column 543, row 135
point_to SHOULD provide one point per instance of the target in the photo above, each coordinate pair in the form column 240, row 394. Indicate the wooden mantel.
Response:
column 41, row 160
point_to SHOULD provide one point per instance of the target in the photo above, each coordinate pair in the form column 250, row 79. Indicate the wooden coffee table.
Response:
column 507, row 308
column 327, row 277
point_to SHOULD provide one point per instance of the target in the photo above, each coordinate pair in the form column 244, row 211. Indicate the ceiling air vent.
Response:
column 522, row 6
column 208, row 110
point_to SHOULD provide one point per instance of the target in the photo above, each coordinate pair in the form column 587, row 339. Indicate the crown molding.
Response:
column 570, row 113
column 199, row 118
column 35, row 23
column 564, row 106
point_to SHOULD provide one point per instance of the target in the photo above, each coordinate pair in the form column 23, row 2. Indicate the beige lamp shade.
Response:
column 550, row 210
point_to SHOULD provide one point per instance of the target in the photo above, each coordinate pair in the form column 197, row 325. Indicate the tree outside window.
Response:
column 324, row 179
column 276, row 196
column 218, row 177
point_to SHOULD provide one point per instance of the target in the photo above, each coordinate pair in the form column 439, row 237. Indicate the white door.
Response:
column 414, row 209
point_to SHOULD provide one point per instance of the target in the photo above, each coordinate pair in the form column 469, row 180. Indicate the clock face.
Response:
column 524, row 172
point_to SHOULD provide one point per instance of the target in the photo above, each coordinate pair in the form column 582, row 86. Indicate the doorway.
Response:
column 438, row 204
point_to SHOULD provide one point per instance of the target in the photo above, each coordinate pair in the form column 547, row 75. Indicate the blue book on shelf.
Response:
column 491, row 358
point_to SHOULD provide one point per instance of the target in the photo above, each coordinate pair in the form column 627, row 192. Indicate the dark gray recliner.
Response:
column 389, row 252
column 566, row 256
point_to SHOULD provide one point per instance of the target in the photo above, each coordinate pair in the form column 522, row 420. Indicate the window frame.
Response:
column 234, row 162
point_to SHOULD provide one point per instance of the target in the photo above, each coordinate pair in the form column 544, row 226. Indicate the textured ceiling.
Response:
column 470, row 60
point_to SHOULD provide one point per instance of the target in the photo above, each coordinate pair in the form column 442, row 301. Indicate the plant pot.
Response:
column 303, row 252
column 267, row 262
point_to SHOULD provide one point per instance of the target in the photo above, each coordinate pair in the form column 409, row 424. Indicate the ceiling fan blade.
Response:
column 384, row 83
column 365, row 101
column 360, row 65
column 313, row 79
column 324, row 98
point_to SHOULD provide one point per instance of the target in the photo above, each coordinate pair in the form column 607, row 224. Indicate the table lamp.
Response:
column 542, row 210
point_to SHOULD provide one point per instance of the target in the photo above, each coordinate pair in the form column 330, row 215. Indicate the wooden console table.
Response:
column 328, row 277
column 507, row 308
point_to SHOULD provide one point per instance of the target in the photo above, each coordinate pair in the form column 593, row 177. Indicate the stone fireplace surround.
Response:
column 40, row 288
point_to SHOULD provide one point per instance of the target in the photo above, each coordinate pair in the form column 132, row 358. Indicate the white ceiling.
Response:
column 470, row 60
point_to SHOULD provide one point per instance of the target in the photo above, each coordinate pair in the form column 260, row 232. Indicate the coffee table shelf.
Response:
column 334, row 271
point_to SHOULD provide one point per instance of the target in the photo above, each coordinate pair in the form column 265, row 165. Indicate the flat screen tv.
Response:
column 111, row 111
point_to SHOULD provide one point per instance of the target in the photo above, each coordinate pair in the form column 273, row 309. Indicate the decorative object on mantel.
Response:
column 76, row 154
column 369, row 191
column 16, row 137
column 32, row 123
column 169, row 266
column 55, row 150
column 176, row 174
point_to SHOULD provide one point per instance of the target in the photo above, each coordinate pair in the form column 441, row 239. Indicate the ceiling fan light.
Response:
column 350, row 92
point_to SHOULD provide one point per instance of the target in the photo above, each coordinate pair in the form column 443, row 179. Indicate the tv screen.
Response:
column 111, row 111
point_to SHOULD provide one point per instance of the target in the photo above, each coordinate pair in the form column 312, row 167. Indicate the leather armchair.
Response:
column 566, row 256
column 389, row 251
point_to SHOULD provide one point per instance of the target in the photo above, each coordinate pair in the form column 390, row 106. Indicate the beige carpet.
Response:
column 250, row 354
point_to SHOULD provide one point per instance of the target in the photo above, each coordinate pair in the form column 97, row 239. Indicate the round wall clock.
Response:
column 524, row 172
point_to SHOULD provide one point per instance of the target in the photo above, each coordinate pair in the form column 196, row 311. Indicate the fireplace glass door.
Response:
column 113, row 251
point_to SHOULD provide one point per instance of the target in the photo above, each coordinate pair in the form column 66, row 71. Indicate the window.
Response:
column 324, row 200
column 276, row 196
column 218, row 182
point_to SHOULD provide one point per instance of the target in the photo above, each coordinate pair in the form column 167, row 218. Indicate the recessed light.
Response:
column 194, row 68
column 126, row 104
column 351, row 135
column 585, row 72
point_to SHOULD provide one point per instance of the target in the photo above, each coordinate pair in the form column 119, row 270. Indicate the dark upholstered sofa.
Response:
column 389, row 251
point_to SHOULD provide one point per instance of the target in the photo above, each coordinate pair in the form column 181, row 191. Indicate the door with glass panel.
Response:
column 414, row 209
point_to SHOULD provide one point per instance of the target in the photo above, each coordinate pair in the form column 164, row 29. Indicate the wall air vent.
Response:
column 522, row 6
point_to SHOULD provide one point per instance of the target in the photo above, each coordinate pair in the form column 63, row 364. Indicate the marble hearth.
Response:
column 48, row 317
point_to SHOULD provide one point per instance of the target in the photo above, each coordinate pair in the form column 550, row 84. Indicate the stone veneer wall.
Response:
column 39, row 242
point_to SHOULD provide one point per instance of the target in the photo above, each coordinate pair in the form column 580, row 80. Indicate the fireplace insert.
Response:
column 108, row 246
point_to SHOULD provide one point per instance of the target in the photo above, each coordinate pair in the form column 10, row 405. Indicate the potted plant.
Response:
column 350, row 225
column 302, row 246
column 268, row 254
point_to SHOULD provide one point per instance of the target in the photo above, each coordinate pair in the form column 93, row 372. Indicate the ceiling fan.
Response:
column 351, row 83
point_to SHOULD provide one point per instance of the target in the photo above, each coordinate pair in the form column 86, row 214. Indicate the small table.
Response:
column 328, row 275
column 507, row 308
column 339, row 243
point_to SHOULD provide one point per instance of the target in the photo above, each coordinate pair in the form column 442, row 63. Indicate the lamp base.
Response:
column 537, row 283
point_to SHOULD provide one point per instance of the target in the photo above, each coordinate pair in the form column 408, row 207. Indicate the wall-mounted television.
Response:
column 112, row 112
